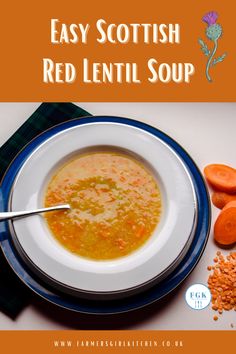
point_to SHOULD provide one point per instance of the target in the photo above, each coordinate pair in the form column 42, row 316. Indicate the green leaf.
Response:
column 219, row 59
column 204, row 47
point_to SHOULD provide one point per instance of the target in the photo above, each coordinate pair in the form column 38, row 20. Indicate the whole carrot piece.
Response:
column 221, row 177
column 225, row 225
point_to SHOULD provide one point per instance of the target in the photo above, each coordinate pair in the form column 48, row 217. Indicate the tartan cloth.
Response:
column 14, row 295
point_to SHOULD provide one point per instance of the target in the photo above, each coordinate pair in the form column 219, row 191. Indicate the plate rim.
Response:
column 175, row 147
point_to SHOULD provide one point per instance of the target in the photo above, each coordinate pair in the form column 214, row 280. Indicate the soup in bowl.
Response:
column 115, row 205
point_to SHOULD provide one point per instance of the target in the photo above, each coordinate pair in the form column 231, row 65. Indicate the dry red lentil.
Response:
column 222, row 283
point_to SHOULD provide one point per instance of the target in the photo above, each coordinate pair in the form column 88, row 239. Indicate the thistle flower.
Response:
column 213, row 32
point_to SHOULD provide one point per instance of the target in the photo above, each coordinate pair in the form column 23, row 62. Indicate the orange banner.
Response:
column 162, row 342
column 124, row 51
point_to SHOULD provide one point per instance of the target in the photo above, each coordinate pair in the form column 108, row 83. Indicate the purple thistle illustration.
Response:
column 213, row 33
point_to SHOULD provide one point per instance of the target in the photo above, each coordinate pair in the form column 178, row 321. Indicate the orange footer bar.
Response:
column 179, row 342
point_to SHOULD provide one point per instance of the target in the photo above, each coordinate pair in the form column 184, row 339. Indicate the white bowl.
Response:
column 159, row 255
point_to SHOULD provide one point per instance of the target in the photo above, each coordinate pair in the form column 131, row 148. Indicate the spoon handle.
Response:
column 16, row 214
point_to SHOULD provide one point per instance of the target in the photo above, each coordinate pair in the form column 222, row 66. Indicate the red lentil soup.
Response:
column 115, row 205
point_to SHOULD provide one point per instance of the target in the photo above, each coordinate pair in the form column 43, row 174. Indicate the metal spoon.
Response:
column 19, row 214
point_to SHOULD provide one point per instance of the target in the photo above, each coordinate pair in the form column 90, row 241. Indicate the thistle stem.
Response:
column 209, row 61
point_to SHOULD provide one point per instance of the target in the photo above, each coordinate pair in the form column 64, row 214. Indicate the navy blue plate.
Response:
column 115, row 306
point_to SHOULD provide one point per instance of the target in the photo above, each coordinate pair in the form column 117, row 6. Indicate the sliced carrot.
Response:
column 221, row 177
column 225, row 226
column 220, row 199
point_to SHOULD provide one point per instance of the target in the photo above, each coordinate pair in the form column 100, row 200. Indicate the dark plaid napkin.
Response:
column 14, row 295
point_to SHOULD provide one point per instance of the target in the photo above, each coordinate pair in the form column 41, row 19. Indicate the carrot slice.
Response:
column 225, row 226
column 220, row 199
column 221, row 177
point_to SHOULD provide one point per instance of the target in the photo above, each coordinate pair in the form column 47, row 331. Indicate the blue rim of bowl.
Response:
column 125, row 304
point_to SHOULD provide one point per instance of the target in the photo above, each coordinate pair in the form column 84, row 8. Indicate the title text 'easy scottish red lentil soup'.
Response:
column 115, row 205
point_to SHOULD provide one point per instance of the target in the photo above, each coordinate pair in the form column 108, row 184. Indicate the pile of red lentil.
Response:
column 222, row 283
